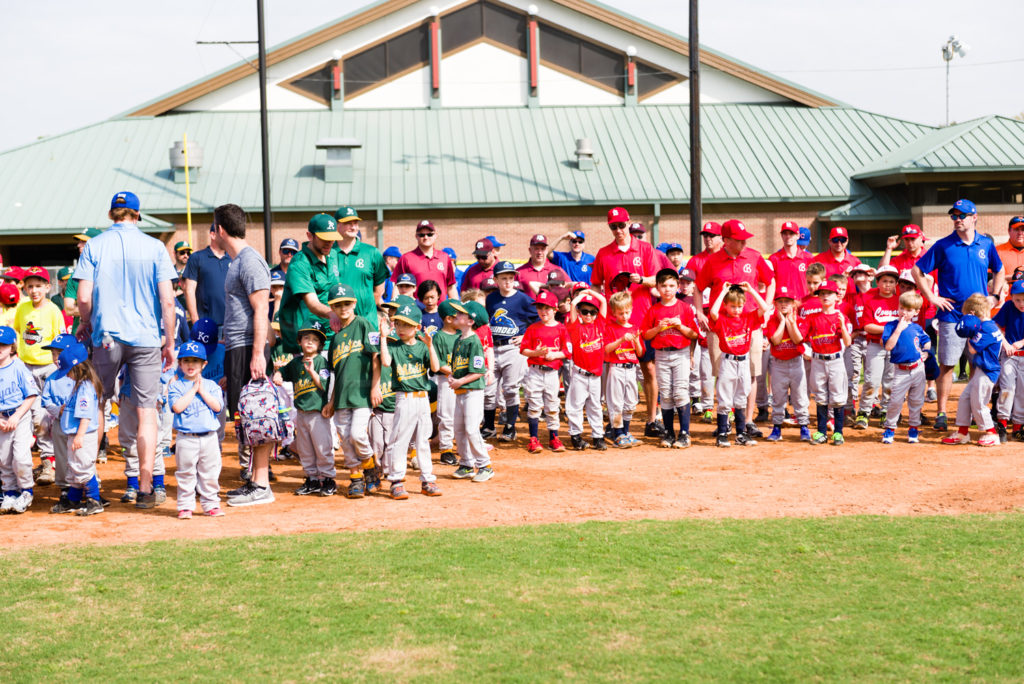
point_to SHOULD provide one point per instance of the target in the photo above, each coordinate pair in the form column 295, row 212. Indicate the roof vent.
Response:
column 584, row 154
column 338, row 167
column 177, row 156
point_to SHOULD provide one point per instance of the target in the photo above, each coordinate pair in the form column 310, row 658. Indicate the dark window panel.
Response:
column 408, row 50
column 461, row 27
column 559, row 48
column 366, row 68
column 649, row 78
column 601, row 65
column 318, row 83
column 505, row 26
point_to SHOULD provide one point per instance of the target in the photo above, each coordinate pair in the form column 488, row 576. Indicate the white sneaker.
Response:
column 484, row 474
column 8, row 505
column 21, row 503
column 252, row 495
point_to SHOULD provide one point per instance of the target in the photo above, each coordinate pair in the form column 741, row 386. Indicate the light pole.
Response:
column 951, row 49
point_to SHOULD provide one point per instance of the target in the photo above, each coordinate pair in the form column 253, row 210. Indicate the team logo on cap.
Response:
column 405, row 311
column 349, row 211
column 480, row 245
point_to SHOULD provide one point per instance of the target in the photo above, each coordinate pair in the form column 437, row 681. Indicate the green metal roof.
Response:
column 449, row 158
column 986, row 144
column 881, row 204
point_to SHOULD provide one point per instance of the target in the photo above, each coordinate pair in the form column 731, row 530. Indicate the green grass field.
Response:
column 824, row 599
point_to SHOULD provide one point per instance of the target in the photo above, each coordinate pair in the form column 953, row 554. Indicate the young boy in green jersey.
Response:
column 314, row 436
column 444, row 343
column 354, row 359
column 410, row 360
column 383, row 413
column 469, row 369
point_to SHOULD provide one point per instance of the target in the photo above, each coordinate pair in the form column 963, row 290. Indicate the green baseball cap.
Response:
column 450, row 307
column 65, row 273
column 317, row 328
column 183, row 246
column 324, row 227
column 89, row 234
column 477, row 312
column 409, row 313
column 346, row 214
column 340, row 293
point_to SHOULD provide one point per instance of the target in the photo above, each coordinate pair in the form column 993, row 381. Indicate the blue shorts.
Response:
column 648, row 353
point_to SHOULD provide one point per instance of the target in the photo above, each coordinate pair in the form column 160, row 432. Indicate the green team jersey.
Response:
column 306, row 273
column 410, row 364
column 387, row 405
column 444, row 344
column 308, row 397
column 362, row 269
column 468, row 358
column 71, row 292
column 351, row 360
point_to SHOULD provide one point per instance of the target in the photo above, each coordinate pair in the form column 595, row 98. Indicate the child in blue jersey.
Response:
column 18, row 391
column 56, row 393
column 79, row 419
column 984, row 342
column 907, row 344
column 196, row 401
column 1010, row 404
column 205, row 332
column 429, row 295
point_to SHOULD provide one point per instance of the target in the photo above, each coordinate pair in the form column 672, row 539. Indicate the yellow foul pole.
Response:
column 188, row 192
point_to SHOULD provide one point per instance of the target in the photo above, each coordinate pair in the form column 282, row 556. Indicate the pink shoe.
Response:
column 214, row 513
column 184, row 515
column 958, row 439
column 988, row 440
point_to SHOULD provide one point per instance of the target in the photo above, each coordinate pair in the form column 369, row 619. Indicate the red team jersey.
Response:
column 625, row 352
column 486, row 339
column 833, row 267
column 822, row 332
column 734, row 332
column 587, row 341
column 810, row 305
column 638, row 258
column 787, row 349
column 551, row 336
column 748, row 266
column 791, row 272
column 878, row 310
column 669, row 339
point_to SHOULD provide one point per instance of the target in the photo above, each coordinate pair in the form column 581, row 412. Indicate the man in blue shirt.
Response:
column 576, row 263
column 203, row 281
column 962, row 262
column 126, row 300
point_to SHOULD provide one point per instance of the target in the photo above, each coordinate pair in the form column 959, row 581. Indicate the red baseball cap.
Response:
column 9, row 294
column 637, row 228
column 827, row 286
column 838, row 232
column 589, row 299
column 783, row 292
column 734, row 228
column 547, row 298
column 617, row 215
column 911, row 230
column 538, row 239
column 711, row 228
column 36, row 272
column 620, row 282
column 483, row 247
column 14, row 273
column 425, row 223
column 789, row 226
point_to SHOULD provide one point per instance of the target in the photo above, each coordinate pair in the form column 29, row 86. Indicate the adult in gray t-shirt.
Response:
column 248, row 273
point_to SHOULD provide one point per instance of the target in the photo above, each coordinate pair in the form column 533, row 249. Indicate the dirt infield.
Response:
column 768, row 480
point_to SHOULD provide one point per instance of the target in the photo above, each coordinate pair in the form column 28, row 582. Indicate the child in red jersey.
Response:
column 733, row 328
column 586, row 338
column 545, row 346
column 814, row 276
column 789, row 377
column 853, row 356
column 827, row 332
column 881, row 305
column 669, row 326
column 622, row 350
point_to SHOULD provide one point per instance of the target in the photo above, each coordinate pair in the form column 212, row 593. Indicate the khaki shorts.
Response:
column 145, row 364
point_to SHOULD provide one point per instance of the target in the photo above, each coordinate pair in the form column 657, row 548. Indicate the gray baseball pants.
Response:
column 828, row 380
column 853, row 357
column 1010, row 405
column 509, row 370
column 789, row 380
column 198, row 470
column 40, row 418
column 410, row 430
column 621, row 393
column 973, row 402
column 469, row 412
column 877, row 375
column 909, row 385
column 672, row 367
column 314, row 443
column 764, row 380
column 445, row 413
column 380, row 430
column 733, row 386
column 584, row 394
column 542, row 395
column 82, row 462
column 60, row 454
column 16, row 456
column 353, row 426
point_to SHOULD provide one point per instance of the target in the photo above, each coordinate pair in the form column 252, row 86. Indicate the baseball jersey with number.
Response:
column 511, row 315
column 308, row 397
column 879, row 310
column 467, row 359
column 351, row 360
column 410, row 364
column 554, row 337
column 986, row 343
column 671, row 338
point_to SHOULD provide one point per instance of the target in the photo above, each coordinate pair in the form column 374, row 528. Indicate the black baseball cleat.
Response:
column 448, row 458
column 487, row 433
column 599, row 444
column 722, row 439
column 654, row 429
column 744, row 439
column 577, row 442
column 508, row 434
column 752, row 431
column 1001, row 429
column 763, row 415
column 309, row 487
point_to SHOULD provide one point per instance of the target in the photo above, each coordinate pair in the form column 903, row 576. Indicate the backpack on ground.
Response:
column 262, row 416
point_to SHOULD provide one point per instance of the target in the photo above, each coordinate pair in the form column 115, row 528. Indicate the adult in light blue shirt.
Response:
column 126, row 299
column 576, row 263
column 962, row 261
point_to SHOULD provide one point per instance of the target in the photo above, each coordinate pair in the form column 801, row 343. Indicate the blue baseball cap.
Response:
column 967, row 326
column 192, row 350
column 289, row 244
column 805, row 237
column 205, row 332
column 1017, row 287
column 964, row 207
column 73, row 355
column 673, row 246
column 393, row 251
column 406, row 279
column 662, row 247
column 277, row 277
column 7, row 335
column 579, row 235
column 125, row 200
column 450, row 252
column 60, row 342
column 495, row 242
column 504, row 267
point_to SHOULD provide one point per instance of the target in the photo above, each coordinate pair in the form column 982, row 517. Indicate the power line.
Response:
column 915, row 68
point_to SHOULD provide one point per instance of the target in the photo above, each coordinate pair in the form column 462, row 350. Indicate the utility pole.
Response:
column 696, row 213
column 267, row 215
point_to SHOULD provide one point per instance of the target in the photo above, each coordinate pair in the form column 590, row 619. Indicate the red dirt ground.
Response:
column 769, row 480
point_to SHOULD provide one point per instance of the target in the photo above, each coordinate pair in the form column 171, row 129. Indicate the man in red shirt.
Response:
column 426, row 263
column 790, row 262
column 486, row 256
column 913, row 247
column 837, row 259
column 536, row 272
column 627, row 254
column 711, row 234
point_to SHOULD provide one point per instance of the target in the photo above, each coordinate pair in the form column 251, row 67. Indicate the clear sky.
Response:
column 69, row 64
